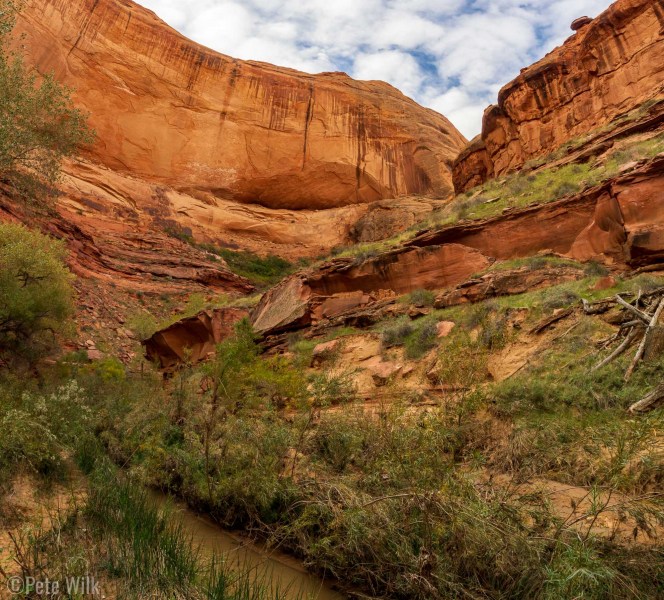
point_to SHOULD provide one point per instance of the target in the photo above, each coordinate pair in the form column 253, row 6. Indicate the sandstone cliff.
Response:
column 170, row 111
column 609, row 66
column 618, row 223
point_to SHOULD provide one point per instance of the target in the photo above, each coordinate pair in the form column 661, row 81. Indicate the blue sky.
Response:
column 450, row 55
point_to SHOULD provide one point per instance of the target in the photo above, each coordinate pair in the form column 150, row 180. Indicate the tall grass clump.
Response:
column 145, row 548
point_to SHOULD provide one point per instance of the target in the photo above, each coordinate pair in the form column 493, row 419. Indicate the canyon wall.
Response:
column 172, row 112
column 610, row 66
column 619, row 223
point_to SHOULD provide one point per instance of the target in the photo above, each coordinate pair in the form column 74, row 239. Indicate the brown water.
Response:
column 273, row 569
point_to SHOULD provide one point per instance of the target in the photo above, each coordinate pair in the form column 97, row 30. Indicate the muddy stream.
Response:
column 273, row 569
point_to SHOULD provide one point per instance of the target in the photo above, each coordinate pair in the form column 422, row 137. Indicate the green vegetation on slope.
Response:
column 525, row 188
column 398, row 502
column 549, row 184
column 262, row 271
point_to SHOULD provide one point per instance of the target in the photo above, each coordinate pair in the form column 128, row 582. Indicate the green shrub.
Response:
column 109, row 369
column 566, row 188
column 330, row 390
column 37, row 428
column 35, row 288
column 265, row 271
column 491, row 321
column 396, row 332
column 142, row 324
column 595, row 269
column 421, row 298
column 559, row 298
column 423, row 339
column 338, row 446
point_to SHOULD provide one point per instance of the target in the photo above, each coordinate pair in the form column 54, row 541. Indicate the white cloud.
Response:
column 398, row 68
column 450, row 55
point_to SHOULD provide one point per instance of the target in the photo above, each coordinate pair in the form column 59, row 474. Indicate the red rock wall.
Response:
column 605, row 69
column 620, row 223
column 169, row 110
column 472, row 167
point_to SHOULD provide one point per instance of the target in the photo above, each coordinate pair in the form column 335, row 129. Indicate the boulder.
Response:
column 444, row 328
column 580, row 23
column 193, row 339
column 384, row 371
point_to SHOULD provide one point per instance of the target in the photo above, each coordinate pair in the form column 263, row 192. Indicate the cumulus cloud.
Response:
column 450, row 55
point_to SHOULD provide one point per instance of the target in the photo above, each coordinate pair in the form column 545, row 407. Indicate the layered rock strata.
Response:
column 170, row 111
column 608, row 67
column 619, row 223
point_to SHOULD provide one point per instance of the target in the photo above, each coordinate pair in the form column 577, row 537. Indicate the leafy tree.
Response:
column 38, row 124
column 35, row 287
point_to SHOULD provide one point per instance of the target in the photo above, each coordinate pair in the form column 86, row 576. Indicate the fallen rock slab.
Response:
column 193, row 339
column 384, row 371
column 444, row 328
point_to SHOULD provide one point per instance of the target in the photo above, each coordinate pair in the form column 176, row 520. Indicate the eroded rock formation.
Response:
column 507, row 283
column 620, row 223
column 192, row 339
column 110, row 251
column 170, row 111
column 608, row 67
column 102, row 200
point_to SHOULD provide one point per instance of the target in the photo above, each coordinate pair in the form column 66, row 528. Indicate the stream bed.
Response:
column 274, row 569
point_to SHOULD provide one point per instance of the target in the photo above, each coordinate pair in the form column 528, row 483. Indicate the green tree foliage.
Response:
column 38, row 124
column 238, row 377
column 35, row 287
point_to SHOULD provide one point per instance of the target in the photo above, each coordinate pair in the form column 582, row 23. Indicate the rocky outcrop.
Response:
column 507, row 283
column 113, row 252
column 386, row 218
column 615, row 222
column 472, row 167
column 192, row 339
column 342, row 285
column 172, row 112
column 620, row 223
column 611, row 65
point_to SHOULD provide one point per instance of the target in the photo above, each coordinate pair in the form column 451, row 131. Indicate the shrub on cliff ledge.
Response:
column 38, row 124
column 35, row 290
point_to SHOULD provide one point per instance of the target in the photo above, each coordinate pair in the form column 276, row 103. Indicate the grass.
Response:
column 144, row 547
column 262, row 271
column 117, row 535
column 519, row 190
column 532, row 263
column 111, row 529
